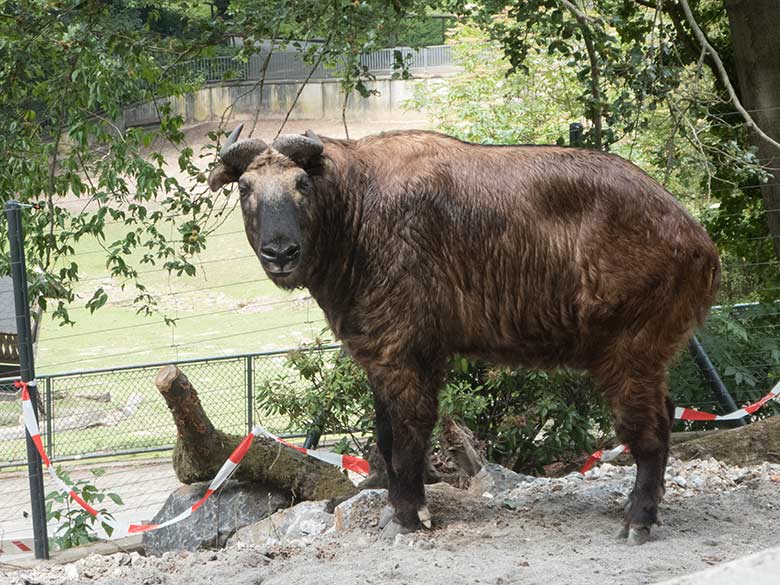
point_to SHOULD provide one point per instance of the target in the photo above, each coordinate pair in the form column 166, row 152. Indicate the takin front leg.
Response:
column 644, row 414
column 407, row 408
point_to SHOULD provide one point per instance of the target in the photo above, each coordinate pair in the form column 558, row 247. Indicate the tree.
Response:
column 754, row 27
column 69, row 67
column 634, row 57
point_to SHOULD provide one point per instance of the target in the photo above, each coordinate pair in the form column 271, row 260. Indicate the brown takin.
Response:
column 418, row 246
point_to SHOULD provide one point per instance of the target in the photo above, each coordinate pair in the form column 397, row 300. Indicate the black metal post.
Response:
column 27, row 372
column 575, row 134
column 710, row 374
column 250, row 387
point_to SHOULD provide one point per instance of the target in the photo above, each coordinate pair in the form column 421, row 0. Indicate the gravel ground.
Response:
column 544, row 531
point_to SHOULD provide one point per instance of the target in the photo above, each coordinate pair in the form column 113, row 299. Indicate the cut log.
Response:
column 749, row 445
column 462, row 447
column 201, row 450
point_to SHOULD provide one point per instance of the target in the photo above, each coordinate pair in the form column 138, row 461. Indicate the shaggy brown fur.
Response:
column 418, row 246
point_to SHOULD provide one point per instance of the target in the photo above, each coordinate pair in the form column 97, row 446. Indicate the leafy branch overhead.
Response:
column 69, row 68
column 650, row 79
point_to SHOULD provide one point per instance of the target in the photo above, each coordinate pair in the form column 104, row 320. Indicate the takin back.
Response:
column 418, row 246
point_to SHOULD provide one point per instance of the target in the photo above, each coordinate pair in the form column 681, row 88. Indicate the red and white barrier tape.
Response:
column 686, row 414
column 19, row 545
column 121, row 529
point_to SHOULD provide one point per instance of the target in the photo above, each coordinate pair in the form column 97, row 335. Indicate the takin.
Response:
column 418, row 246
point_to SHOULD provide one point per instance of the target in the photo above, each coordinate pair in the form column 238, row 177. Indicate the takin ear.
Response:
column 235, row 157
column 304, row 149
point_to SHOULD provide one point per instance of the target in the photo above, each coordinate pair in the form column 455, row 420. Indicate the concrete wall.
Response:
column 319, row 100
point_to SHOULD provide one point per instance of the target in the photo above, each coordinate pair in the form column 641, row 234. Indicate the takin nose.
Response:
column 279, row 258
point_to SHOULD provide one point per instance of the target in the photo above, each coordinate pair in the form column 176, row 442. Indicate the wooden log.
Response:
column 749, row 445
column 201, row 450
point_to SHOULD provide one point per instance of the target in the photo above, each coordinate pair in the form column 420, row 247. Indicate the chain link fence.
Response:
column 119, row 411
column 292, row 65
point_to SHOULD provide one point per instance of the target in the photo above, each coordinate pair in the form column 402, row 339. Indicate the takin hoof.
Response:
column 386, row 516
column 638, row 535
column 393, row 529
column 635, row 535
column 424, row 514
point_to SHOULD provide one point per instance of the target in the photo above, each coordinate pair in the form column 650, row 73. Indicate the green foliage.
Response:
column 744, row 345
column 527, row 419
column 488, row 102
column 68, row 70
column 322, row 390
column 78, row 526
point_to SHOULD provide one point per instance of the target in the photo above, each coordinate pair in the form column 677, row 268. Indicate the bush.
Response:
column 324, row 391
column 744, row 345
column 79, row 526
column 527, row 419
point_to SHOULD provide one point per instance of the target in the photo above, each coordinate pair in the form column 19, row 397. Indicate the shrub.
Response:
column 79, row 526
column 323, row 391
column 526, row 418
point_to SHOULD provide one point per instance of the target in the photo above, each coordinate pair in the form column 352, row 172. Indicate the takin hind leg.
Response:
column 644, row 414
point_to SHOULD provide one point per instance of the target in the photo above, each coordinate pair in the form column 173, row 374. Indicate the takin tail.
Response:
column 709, row 268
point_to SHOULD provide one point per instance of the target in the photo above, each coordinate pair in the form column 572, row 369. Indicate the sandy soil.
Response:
column 547, row 531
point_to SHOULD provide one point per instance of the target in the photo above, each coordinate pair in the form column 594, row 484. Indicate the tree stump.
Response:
column 201, row 450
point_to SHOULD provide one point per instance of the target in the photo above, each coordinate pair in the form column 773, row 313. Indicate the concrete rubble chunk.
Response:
column 296, row 526
column 494, row 480
column 239, row 504
column 360, row 511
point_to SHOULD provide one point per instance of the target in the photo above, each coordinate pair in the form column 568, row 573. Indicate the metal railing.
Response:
column 118, row 411
column 291, row 65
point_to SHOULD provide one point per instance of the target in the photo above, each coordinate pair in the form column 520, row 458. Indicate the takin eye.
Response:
column 243, row 189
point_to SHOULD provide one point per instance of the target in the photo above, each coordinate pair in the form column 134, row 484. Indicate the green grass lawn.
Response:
column 229, row 307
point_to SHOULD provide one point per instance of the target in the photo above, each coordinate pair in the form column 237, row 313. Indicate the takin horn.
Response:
column 302, row 148
column 235, row 157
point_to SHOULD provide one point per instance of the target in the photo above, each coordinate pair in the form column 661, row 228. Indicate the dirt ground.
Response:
column 546, row 531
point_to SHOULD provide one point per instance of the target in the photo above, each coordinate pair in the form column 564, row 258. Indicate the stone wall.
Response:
column 319, row 100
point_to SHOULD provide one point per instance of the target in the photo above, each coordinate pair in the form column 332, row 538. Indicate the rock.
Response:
column 71, row 572
column 361, row 510
column 493, row 479
column 681, row 481
column 238, row 505
column 594, row 473
column 298, row 525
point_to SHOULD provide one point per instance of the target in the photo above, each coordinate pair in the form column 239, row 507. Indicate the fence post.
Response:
column 710, row 374
column 575, row 134
column 27, row 372
column 49, row 419
column 250, row 386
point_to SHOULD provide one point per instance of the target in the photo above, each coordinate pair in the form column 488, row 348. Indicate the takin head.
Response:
column 274, row 187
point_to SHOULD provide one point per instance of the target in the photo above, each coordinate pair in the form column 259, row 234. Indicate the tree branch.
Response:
column 583, row 20
column 723, row 74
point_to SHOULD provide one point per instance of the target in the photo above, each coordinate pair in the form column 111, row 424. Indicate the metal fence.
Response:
column 118, row 411
column 291, row 65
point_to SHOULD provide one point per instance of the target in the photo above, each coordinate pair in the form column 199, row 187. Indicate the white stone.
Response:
column 360, row 511
column 301, row 523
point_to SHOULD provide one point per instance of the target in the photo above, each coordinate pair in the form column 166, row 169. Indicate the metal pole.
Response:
column 710, row 374
column 49, row 419
column 250, row 385
column 575, row 134
column 27, row 371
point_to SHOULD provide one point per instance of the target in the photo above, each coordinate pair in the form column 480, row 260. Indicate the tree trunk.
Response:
column 754, row 33
column 201, row 450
